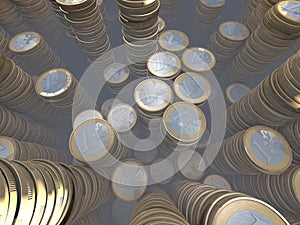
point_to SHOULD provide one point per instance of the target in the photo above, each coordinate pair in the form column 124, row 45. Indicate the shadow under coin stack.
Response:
column 35, row 52
column 13, row 149
column 276, row 32
column 168, row 9
column 273, row 103
column 139, row 21
column 89, row 30
column 281, row 191
column 257, row 150
column 157, row 207
column 225, row 43
column 203, row 204
column 60, row 88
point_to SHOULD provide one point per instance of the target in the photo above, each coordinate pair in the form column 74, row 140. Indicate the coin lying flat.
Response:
column 173, row 40
column 86, row 115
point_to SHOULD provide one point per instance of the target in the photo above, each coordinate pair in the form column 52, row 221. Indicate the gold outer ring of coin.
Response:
column 38, row 84
column 221, row 30
column 86, row 115
column 122, row 66
column 172, row 133
column 207, row 91
column 232, row 86
column 11, row 147
column 209, row 179
column 273, row 168
column 189, row 51
column 296, row 184
column 13, row 39
column 138, row 100
column 280, row 10
column 100, row 154
column 180, row 33
column 4, row 196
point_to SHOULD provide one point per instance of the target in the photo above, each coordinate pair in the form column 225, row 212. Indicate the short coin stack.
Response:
column 34, row 50
column 173, row 41
column 281, row 191
column 235, row 92
column 225, row 43
column 258, row 150
column 157, row 208
column 168, row 9
column 139, row 21
column 202, row 204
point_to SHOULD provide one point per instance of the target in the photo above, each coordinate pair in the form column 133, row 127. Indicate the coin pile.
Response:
column 281, row 191
column 161, row 171
column 276, row 32
column 44, row 192
column 291, row 132
column 152, row 97
column 86, row 115
column 193, row 88
column 139, row 21
column 217, row 181
column 13, row 149
column 257, row 150
column 37, row 13
column 173, row 41
column 35, row 52
column 182, row 126
column 203, row 204
column 157, row 208
column 105, row 151
column 161, row 25
column 129, row 180
column 89, row 30
column 252, row 4
column 13, row 125
column 107, row 105
column 225, row 43
column 235, row 92
column 60, row 88
column 198, row 60
column 11, row 19
column 116, row 77
column 168, row 9
column 94, row 217
column 17, row 93
column 273, row 103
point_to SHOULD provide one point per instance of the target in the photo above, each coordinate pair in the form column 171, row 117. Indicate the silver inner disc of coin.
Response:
column 173, row 40
column 249, row 217
column 154, row 94
column 25, row 41
column 4, row 151
column 116, row 73
column 292, row 9
column 164, row 64
column 199, row 59
column 54, row 82
column 237, row 92
column 192, row 87
column 122, row 118
column 234, row 30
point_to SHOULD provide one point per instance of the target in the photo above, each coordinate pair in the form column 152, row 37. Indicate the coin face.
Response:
column 173, row 40
column 24, row 41
column 290, row 9
column 213, row 3
column 235, row 92
column 249, row 217
column 107, row 105
column 217, row 181
column 184, row 121
column 5, row 151
column 164, row 64
column 116, row 73
column 85, row 116
column 234, row 31
column 198, row 59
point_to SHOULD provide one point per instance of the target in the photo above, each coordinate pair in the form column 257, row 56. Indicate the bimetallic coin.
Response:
column 173, row 40
column 217, row 181
column 107, row 105
column 7, row 149
column 86, row 115
column 213, row 3
column 4, row 198
column 24, row 42
column 290, row 9
column 164, row 65
column 116, row 73
column 296, row 184
column 235, row 92
column 234, row 31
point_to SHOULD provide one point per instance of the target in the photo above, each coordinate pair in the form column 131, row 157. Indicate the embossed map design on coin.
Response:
column 122, row 117
column 198, row 59
column 4, row 151
column 192, row 87
column 249, row 217
column 25, row 41
column 116, row 72
column 163, row 64
column 173, row 40
column 54, row 82
column 154, row 94
column 292, row 9
column 234, row 30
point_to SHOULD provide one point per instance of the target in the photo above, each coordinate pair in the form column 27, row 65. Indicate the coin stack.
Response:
column 86, row 115
column 225, row 43
column 203, row 204
column 294, row 221
column 94, row 217
column 60, row 88
column 11, row 19
column 89, row 30
column 152, row 97
column 193, row 88
column 116, row 77
column 173, row 41
column 277, row 31
column 13, row 125
column 235, row 92
column 203, row 142
column 106, row 149
column 281, row 191
column 129, row 180
column 291, row 132
column 139, row 21
column 13, row 149
column 168, row 10
column 217, row 181
column 18, row 94
column 37, row 13
column 107, row 105
column 164, row 66
column 44, row 192
column 252, row 4
column 35, row 52
column 257, row 150
column 102, row 10
column 198, row 60
column 161, row 25
column 183, row 125
column 157, row 208
column 273, row 103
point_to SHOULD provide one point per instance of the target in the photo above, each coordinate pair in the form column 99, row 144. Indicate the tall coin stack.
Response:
column 168, row 9
column 203, row 204
column 34, row 51
column 13, row 149
column 60, row 88
column 49, row 193
column 89, row 30
column 103, row 12
column 18, row 94
column 273, row 103
column 225, row 43
column 257, row 150
column 281, row 191
column 156, row 207
column 252, row 4
column 276, row 32
column 139, row 21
